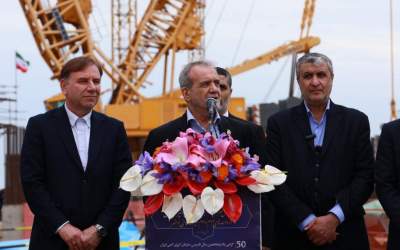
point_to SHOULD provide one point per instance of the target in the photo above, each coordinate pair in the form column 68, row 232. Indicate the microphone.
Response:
column 211, row 108
column 310, row 137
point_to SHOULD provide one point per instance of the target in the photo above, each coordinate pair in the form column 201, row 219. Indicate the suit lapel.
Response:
column 182, row 123
column 96, row 138
column 223, row 125
column 302, row 123
column 67, row 137
column 333, row 119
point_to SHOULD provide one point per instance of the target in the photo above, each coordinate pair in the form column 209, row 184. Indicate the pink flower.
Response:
column 177, row 154
column 213, row 150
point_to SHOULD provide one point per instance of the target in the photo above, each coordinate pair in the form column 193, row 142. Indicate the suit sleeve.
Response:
column 112, row 215
column 33, row 178
column 259, row 142
column 352, row 197
column 386, row 174
column 283, row 197
column 149, row 144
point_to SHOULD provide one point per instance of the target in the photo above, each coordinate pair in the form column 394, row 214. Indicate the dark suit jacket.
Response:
column 387, row 176
column 342, row 172
column 266, row 205
column 57, row 188
column 241, row 130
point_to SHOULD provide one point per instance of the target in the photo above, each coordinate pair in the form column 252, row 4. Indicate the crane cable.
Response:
column 216, row 24
column 277, row 78
column 242, row 32
column 96, row 24
column 209, row 8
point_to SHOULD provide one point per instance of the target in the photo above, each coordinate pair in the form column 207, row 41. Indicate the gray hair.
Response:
column 314, row 58
column 184, row 79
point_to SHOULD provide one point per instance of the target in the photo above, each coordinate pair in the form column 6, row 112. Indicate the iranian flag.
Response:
column 21, row 63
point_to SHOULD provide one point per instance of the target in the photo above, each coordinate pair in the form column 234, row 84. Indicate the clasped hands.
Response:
column 76, row 239
column 322, row 230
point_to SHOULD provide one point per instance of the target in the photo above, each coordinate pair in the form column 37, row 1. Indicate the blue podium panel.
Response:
column 210, row 232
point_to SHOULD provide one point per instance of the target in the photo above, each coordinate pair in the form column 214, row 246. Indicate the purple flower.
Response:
column 145, row 162
column 205, row 143
column 249, row 166
column 163, row 177
column 232, row 174
column 194, row 175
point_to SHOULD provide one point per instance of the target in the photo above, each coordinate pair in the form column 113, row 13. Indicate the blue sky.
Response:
column 354, row 34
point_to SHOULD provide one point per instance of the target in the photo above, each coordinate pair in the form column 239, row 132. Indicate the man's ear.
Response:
column 63, row 85
column 186, row 94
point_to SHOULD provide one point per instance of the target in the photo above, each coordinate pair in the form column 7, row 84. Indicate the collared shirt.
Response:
column 318, row 129
column 81, row 131
column 196, row 126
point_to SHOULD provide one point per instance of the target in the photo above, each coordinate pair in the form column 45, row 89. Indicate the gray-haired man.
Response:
column 326, row 150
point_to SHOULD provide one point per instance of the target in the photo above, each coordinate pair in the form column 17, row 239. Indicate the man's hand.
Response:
column 323, row 229
column 90, row 238
column 72, row 236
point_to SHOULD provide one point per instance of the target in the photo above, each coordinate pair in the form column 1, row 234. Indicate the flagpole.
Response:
column 16, row 88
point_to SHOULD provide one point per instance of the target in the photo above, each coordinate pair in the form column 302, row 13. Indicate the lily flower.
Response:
column 266, row 179
column 193, row 209
column 178, row 154
column 213, row 151
column 150, row 185
column 212, row 200
column 172, row 204
column 132, row 179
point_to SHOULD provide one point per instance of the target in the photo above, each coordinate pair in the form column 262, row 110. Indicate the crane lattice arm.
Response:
column 168, row 24
column 301, row 46
column 55, row 41
column 61, row 30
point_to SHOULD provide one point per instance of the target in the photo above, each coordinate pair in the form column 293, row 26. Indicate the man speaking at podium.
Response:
column 200, row 87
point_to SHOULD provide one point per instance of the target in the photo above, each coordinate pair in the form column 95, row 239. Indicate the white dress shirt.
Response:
column 81, row 130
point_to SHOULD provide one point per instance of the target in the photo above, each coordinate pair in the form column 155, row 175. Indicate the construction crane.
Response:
column 61, row 29
column 300, row 46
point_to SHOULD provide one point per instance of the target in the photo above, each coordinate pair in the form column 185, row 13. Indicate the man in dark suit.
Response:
column 198, row 82
column 225, row 83
column 71, row 162
column 387, row 176
column 325, row 149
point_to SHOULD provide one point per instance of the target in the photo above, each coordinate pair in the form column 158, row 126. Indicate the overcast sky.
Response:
column 354, row 34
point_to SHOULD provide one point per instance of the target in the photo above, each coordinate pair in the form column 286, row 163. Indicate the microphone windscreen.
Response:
column 211, row 102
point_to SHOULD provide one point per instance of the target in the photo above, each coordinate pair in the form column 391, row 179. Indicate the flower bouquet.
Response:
column 211, row 168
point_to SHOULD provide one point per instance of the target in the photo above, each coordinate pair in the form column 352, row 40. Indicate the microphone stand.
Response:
column 212, row 113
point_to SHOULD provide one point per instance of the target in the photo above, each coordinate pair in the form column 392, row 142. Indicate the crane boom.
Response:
column 299, row 46
column 166, row 24
column 54, row 41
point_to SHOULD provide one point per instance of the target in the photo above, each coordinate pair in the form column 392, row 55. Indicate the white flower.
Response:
column 266, row 179
column 150, row 186
column 260, row 188
column 212, row 200
column 193, row 210
column 131, row 180
column 172, row 204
